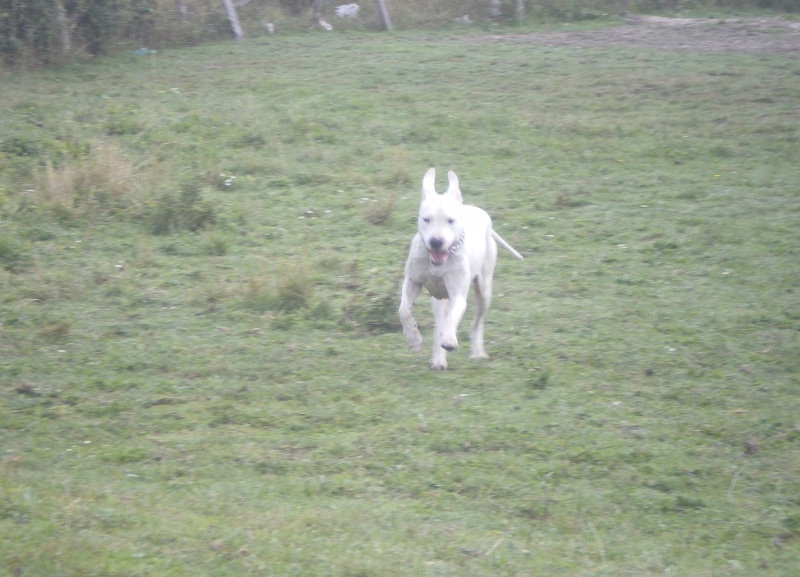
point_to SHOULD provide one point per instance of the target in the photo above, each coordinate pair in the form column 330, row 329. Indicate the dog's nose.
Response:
column 436, row 243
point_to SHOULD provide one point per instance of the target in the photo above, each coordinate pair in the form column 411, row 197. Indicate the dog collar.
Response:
column 456, row 245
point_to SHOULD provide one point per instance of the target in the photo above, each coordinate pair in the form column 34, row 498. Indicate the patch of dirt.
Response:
column 750, row 35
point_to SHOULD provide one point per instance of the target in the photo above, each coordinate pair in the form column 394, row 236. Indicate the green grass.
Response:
column 203, row 375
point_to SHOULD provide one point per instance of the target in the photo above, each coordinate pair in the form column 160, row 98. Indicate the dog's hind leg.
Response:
column 482, row 284
column 483, row 299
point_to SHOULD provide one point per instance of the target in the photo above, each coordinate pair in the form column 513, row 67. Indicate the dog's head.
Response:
column 440, row 217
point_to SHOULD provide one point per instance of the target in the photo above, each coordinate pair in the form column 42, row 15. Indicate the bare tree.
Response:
column 384, row 14
column 317, row 12
column 495, row 9
column 233, row 18
column 63, row 27
column 182, row 13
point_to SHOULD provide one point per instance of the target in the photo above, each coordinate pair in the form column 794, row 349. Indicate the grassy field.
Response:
column 201, row 371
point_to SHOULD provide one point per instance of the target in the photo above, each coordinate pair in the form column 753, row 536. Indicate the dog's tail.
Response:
column 505, row 245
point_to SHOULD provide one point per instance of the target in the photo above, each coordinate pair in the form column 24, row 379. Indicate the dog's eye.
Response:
column 451, row 221
column 426, row 219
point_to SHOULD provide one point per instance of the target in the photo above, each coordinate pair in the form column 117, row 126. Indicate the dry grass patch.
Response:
column 99, row 183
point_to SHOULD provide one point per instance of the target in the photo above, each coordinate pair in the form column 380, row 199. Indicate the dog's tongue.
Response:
column 438, row 257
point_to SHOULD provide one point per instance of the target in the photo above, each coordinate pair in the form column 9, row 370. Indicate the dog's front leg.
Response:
column 410, row 330
column 441, row 311
column 446, row 316
column 451, row 318
column 450, row 315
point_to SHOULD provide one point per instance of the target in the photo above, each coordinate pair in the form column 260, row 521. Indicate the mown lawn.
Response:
column 201, row 371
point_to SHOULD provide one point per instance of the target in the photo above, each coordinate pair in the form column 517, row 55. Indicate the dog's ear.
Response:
column 452, row 186
column 429, row 183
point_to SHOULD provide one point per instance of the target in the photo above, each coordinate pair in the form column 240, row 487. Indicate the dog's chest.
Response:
column 432, row 279
column 435, row 286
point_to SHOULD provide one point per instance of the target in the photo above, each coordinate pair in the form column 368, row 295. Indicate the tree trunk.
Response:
column 63, row 28
column 182, row 13
column 233, row 18
column 520, row 9
column 317, row 12
column 384, row 14
column 495, row 8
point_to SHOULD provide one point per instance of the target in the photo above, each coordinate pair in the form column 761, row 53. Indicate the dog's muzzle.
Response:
column 436, row 251
column 438, row 254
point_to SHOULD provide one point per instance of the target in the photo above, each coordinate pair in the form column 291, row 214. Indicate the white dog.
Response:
column 455, row 246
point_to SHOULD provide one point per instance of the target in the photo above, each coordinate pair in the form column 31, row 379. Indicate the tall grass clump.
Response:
column 93, row 186
column 186, row 210
column 287, row 289
column 292, row 291
column 13, row 256
column 373, row 308
column 380, row 210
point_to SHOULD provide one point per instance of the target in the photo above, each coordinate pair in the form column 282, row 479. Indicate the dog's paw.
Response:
column 450, row 344
column 438, row 359
column 480, row 355
column 414, row 341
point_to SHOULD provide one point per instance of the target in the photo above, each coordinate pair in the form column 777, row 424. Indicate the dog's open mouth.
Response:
column 438, row 257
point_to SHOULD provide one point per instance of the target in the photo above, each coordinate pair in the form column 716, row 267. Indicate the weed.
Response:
column 379, row 211
column 683, row 503
column 13, row 256
column 292, row 289
column 216, row 244
column 55, row 332
column 541, row 381
column 21, row 146
column 184, row 211
column 122, row 123
column 373, row 308
column 322, row 311
column 256, row 296
column 792, row 524
column 287, row 290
